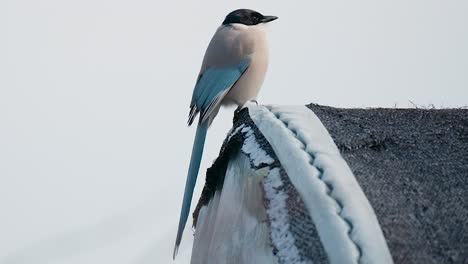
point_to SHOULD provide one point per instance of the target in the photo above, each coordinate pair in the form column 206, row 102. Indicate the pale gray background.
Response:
column 94, row 99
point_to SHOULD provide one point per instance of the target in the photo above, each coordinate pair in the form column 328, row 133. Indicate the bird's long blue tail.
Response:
column 192, row 174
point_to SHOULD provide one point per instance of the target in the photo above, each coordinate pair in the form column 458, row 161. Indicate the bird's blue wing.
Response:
column 212, row 84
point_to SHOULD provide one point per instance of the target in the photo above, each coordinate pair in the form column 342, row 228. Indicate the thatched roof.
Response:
column 412, row 165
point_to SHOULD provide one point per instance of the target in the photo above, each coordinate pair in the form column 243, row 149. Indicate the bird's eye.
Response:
column 255, row 19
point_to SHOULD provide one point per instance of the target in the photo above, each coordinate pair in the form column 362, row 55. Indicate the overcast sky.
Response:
column 94, row 98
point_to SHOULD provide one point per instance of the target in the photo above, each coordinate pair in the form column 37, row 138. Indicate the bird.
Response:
column 232, row 73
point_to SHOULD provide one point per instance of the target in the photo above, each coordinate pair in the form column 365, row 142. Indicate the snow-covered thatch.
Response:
column 280, row 192
column 318, row 184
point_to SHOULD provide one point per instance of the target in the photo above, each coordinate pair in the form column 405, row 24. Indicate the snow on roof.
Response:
column 331, row 181
column 314, row 207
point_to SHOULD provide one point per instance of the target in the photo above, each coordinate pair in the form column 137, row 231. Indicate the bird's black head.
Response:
column 247, row 17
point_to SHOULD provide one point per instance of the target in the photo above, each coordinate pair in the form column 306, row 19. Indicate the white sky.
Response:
column 94, row 99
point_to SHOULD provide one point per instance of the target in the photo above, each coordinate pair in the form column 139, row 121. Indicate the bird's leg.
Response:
column 237, row 110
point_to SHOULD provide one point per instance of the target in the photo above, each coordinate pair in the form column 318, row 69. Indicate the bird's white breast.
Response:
column 229, row 45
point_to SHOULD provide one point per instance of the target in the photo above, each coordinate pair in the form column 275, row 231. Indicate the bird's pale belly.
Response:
column 248, row 86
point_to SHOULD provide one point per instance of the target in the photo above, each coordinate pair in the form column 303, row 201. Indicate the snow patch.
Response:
column 233, row 133
column 277, row 211
column 253, row 149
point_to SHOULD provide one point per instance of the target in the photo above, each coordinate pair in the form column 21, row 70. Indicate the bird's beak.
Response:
column 267, row 19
